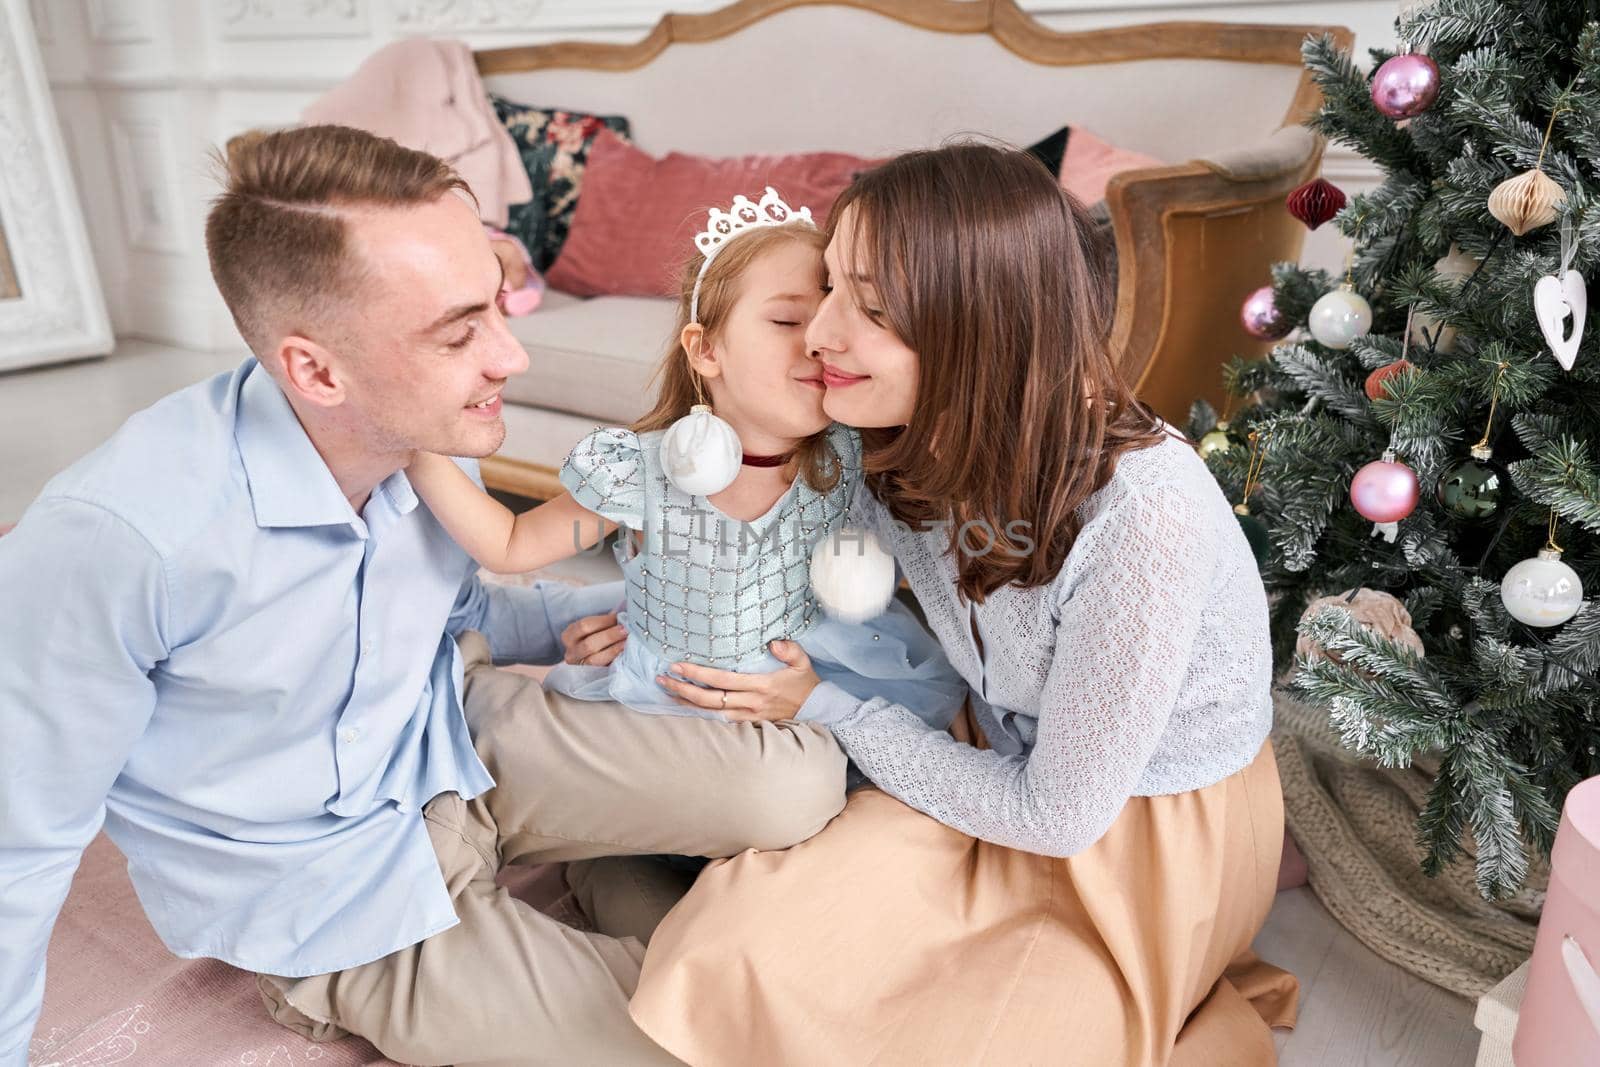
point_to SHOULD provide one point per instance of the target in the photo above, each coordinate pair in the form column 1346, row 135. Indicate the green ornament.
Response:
column 1215, row 441
column 1471, row 489
column 1255, row 532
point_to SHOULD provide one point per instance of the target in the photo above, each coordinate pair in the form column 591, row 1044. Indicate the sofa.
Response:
column 1220, row 105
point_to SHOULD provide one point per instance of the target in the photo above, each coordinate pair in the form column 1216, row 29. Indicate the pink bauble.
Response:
column 1261, row 318
column 1385, row 491
column 1406, row 85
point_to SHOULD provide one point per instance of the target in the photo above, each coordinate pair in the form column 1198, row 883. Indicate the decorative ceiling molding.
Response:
column 270, row 19
column 429, row 15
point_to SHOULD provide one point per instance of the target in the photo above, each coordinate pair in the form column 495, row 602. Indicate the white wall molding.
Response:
column 121, row 21
column 281, row 19
column 146, row 86
column 434, row 16
column 143, row 150
column 43, row 23
column 1341, row 165
column 58, row 312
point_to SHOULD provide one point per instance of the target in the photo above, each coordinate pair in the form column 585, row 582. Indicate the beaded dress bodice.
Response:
column 701, row 586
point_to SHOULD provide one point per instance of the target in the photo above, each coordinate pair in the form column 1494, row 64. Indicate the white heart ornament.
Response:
column 1553, row 301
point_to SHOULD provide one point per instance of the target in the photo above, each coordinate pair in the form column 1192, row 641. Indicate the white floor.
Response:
column 1355, row 1008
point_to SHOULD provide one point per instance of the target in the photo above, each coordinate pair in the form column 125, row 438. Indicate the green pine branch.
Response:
column 1562, row 476
column 1349, row 117
column 1509, row 713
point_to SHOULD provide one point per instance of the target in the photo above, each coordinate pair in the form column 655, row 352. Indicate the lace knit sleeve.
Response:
column 1131, row 600
column 605, row 473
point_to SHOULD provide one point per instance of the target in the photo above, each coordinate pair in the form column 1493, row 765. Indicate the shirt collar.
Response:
column 402, row 497
column 290, row 484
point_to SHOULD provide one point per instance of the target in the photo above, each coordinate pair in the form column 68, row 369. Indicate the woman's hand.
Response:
column 770, row 697
column 594, row 641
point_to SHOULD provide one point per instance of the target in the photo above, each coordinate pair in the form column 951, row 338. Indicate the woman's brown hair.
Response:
column 996, row 278
column 677, row 387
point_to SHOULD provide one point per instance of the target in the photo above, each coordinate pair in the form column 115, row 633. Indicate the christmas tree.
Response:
column 1430, row 353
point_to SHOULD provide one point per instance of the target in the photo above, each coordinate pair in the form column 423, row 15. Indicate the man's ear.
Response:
column 703, row 356
column 306, row 369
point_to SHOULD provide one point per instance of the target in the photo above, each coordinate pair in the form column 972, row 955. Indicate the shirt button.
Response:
column 366, row 647
column 349, row 735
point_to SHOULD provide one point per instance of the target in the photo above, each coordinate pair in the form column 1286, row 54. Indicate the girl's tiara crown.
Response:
column 742, row 216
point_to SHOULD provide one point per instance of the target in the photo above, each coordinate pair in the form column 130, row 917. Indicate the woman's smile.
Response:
column 834, row 378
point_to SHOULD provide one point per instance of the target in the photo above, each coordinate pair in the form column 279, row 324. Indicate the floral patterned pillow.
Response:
column 554, row 145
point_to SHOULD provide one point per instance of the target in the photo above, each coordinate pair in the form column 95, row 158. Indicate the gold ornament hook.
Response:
column 1258, row 459
column 1494, row 400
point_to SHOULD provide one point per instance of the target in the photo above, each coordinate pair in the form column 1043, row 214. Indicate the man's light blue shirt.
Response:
column 255, row 689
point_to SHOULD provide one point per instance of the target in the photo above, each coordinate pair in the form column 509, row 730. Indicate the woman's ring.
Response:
column 724, row 700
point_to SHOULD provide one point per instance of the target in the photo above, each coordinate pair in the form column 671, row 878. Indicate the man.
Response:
column 231, row 634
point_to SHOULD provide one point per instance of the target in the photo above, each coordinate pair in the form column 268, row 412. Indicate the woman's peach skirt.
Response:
column 889, row 938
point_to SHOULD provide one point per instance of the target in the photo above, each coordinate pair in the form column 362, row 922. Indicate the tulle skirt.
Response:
column 891, row 656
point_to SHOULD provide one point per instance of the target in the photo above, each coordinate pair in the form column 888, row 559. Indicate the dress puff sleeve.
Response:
column 605, row 473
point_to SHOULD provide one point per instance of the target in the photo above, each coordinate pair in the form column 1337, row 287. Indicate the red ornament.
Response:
column 1376, row 390
column 1316, row 202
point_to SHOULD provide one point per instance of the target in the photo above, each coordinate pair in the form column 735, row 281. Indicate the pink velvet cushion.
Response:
column 636, row 221
column 1089, row 163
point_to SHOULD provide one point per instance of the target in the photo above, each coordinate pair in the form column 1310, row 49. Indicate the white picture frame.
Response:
column 57, row 311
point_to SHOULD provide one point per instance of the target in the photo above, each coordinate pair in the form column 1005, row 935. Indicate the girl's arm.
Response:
column 491, row 533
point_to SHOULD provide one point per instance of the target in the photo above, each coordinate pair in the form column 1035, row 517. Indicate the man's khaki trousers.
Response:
column 575, row 781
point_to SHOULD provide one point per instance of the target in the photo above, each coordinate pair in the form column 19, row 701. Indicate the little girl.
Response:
column 715, row 579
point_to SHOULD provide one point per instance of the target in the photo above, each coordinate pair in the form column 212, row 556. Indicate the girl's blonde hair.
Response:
column 719, row 290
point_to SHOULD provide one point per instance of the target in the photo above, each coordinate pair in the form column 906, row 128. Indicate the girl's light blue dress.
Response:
column 706, row 588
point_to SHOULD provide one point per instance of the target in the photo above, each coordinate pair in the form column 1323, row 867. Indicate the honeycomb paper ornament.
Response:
column 1315, row 202
column 1527, row 201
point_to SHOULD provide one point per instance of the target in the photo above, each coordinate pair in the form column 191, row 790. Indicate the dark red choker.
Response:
column 766, row 461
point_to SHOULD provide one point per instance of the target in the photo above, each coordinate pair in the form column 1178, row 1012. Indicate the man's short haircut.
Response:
column 276, row 234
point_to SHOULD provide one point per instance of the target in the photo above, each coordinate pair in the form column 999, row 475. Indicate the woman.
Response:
column 1073, row 874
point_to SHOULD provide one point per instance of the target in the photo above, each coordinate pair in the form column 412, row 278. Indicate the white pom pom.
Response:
column 852, row 575
column 700, row 453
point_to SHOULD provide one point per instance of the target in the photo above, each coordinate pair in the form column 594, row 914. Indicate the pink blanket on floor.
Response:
column 114, row 994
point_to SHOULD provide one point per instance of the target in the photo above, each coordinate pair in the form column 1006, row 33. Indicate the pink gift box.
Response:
column 1559, row 1025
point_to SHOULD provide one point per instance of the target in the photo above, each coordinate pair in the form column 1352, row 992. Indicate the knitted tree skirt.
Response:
column 1356, row 823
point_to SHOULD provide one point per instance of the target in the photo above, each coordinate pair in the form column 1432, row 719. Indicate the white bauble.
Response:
column 852, row 575
column 700, row 453
column 1339, row 317
column 1542, row 591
